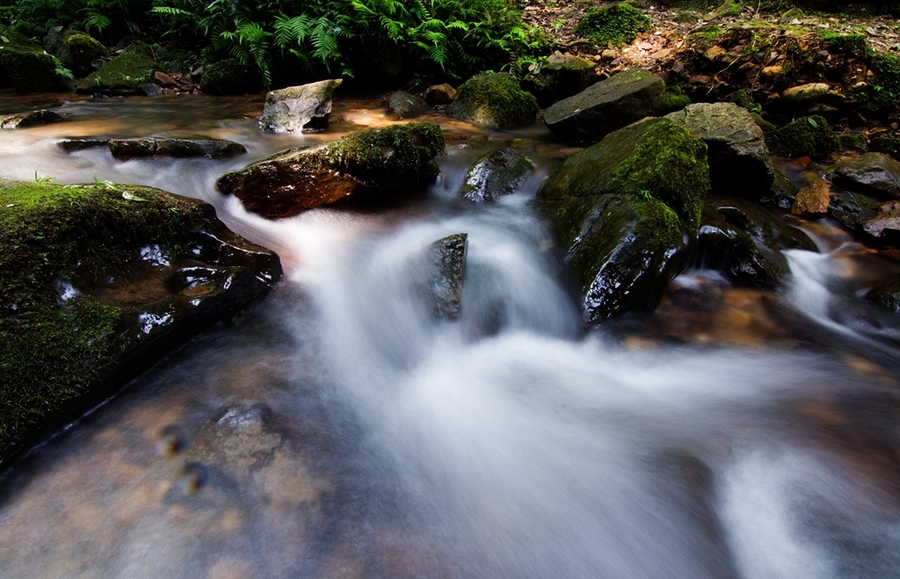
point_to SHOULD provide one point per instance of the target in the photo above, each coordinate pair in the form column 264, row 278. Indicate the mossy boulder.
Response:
column 122, row 75
column 28, row 68
column 30, row 119
column 230, row 77
column 606, row 106
column 746, row 242
column 739, row 161
column 807, row 136
column 612, row 25
column 380, row 161
column 155, row 147
column 494, row 100
column 627, row 211
column 497, row 173
column 77, row 50
column 876, row 174
column 299, row 109
column 558, row 76
column 98, row 283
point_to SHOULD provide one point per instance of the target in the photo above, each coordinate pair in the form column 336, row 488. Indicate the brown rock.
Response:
column 772, row 71
column 813, row 198
column 715, row 53
column 163, row 79
column 440, row 94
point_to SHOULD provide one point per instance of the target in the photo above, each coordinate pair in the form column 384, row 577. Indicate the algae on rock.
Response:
column 494, row 100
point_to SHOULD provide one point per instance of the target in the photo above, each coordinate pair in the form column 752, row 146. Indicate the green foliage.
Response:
column 615, row 25
column 885, row 86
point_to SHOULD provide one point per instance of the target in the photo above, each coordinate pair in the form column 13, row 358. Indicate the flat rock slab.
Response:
column 124, row 149
column 607, row 106
column 30, row 119
column 299, row 109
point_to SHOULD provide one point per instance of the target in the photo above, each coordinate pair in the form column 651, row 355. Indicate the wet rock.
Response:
column 850, row 208
column 627, row 210
column 606, row 106
column 558, row 76
column 72, row 145
column 124, row 149
column 30, row 119
column 447, row 259
column 407, row 106
column 440, row 94
column 886, row 294
column 122, row 75
column 498, row 173
column 76, row 50
column 27, row 66
column 875, row 173
column 746, row 242
column 99, row 283
column 299, row 109
column 494, row 100
column 882, row 222
column 806, row 136
column 739, row 161
column 230, row 77
column 813, row 198
column 379, row 161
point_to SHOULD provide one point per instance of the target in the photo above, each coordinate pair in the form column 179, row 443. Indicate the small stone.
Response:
column 715, row 53
column 163, row 79
column 772, row 71
column 813, row 198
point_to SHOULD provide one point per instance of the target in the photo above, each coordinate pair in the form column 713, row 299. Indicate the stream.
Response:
column 340, row 430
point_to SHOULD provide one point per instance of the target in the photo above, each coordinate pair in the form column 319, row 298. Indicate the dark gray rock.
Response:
column 882, row 222
column 875, row 173
column 124, row 149
column 406, row 105
column 28, row 67
column 75, row 49
column 30, row 119
column 606, row 106
column 498, row 173
column 72, row 145
column 447, row 260
column 886, row 294
column 626, row 211
column 299, row 109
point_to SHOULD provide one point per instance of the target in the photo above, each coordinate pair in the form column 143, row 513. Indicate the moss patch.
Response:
column 810, row 136
column 612, row 25
column 83, row 49
column 494, row 100
column 121, row 75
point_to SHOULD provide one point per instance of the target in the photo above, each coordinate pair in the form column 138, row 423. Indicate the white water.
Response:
column 503, row 444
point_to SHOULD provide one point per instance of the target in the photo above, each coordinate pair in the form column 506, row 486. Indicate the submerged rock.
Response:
column 72, row 145
column 123, row 75
column 230, row 77
column 299, row 109
column 407, row 106
column 378, row 161
column 99, row 283
column 124, row 149
column 746, row 242
column 498, row 173
column 27, row 66
column 494, row 100
column 875, row 173
column 30, row 119
column 447, row 259
column 627, row 211
column 606, row 106
column 886, row 294
column 739, row 161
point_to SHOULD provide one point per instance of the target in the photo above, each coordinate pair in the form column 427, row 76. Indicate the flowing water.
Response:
column 340, row 430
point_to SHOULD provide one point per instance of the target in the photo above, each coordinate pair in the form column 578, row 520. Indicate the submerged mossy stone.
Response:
column 627, row 211
column 494, row 100
column 558, row 76
column 447, row 261
column 874, row 173
column 616, row 24
column 144, row 147
column 606, row 106
column 122, row 75
column 230, row 77
column 497, row 173
column 806, row 136
column 886, row 294
column 27, row 66
column 746, row 242
column 739, row 162
column 299, row 109
column 98, row 283
column 386, row 160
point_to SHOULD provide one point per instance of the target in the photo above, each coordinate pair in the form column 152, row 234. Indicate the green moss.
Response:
column 495, row 100
column 123, row 73
column 668, row 165
column 810, row 136
column 708, row 31
column 855, row 44
column 397, row 148
column 672, row 100
column 84, row 48
column 617, row 24
column 885, row 85
column 851, row 142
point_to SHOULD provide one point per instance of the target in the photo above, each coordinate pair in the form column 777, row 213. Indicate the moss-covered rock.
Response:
column 76, row 50
column 27, row 66
column 606, row 106
column 497, row 173
column 612, row 25
column 377, row 161
column 627, row 211
column 406, row 105
column 30, row 119
column 494, row 100
column 100, row 281
column 807, row 136
column 746, row 242
column 558, row 76
column 228, row 77
column 122, row 75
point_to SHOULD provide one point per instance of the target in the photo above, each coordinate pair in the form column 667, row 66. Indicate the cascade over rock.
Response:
column 447, row 261
column 606, row 106
column 497, row 173
column 626, row 211
column 377, row 161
